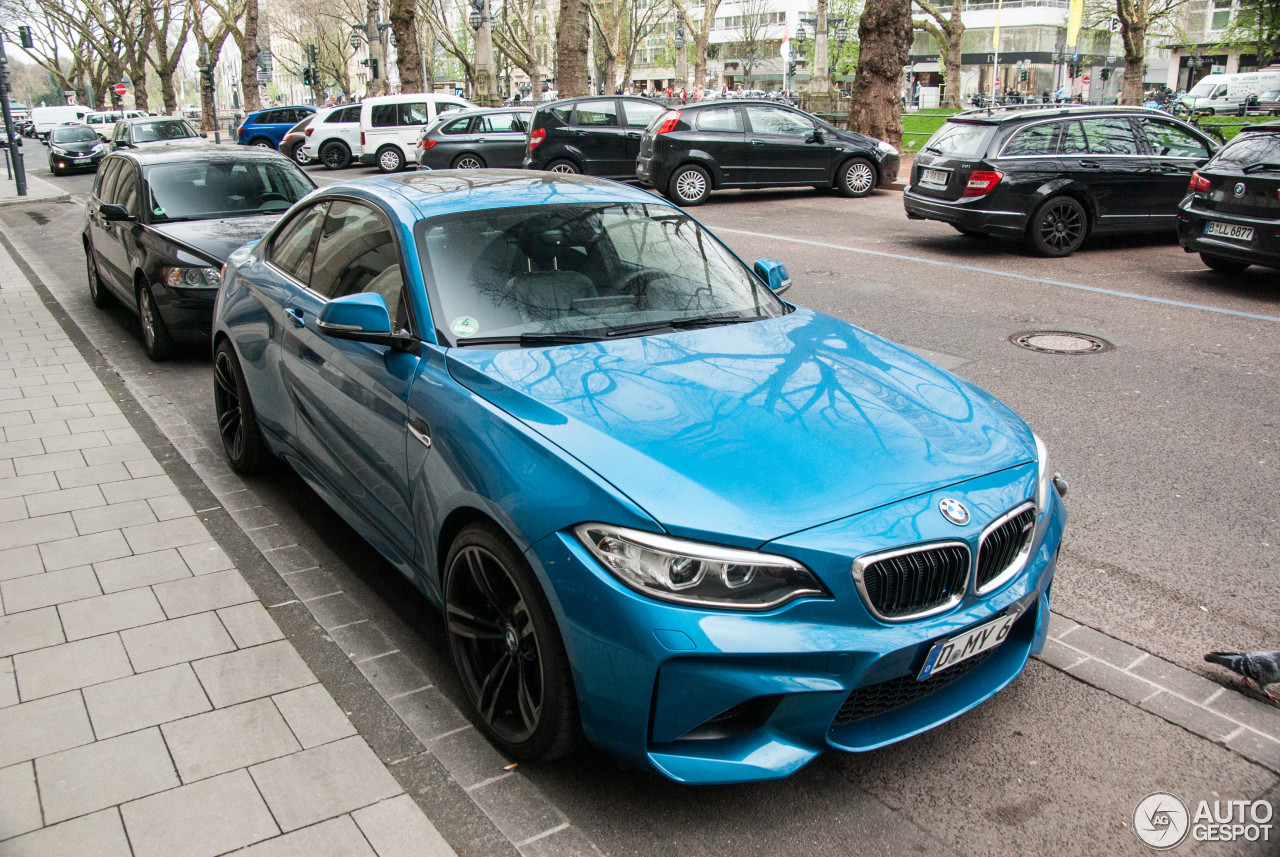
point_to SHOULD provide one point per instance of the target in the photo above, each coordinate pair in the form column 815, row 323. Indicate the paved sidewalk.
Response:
column 149, row 703
column 38, row 190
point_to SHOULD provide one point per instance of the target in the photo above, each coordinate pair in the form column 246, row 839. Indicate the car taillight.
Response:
column 426, row 144
column 1199, row 184
column 536, row 136
column 982, row 182
column 308, row 131
column 362, row 138
column 668, row 123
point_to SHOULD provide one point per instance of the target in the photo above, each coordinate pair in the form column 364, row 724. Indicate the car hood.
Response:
column 753, row 431
column 80, row 148
column 217, row 238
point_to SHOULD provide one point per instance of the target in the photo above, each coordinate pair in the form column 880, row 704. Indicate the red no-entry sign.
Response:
column 120, row 89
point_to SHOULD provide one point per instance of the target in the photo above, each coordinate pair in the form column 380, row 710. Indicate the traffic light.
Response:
column 306, row 75
column 1024, row 75
column 24, row 36
column 791, row 67
column 313, row 55
column 1106, row 73
column 206, row 76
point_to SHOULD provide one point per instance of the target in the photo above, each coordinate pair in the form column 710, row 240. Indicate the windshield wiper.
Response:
column 686, row 323
column 1261, row 165
column 531, row 339
column 934, row 149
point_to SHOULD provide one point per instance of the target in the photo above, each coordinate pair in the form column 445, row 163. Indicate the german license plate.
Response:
column 935, row 178
column 948, row 653
column 87, row 160
column 1229, row 230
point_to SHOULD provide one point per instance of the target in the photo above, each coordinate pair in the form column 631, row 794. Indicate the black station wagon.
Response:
column 1054, row 176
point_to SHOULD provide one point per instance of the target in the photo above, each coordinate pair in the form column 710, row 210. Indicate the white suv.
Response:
column 390, row 125
column 333, row 137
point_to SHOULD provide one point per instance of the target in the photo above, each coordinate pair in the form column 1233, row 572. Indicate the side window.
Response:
column 639, row 115
column 383, row 115
column 1072, row 142
column 122, row 131
column 1036, row 140
column 604, row 112
column 291, row 248
column 127, row 189
column 1220, row 92
column 107, row 176
column 447, row 106
column 1110, row 137
column 413, row 113
column 719, row 119
column 769, row 120
column 356, row 253
column 502, row 122
column 1170, row 141
column 346, row 114
column 457, row 126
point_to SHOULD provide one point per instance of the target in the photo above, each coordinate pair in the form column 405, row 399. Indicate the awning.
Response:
column 921, row 67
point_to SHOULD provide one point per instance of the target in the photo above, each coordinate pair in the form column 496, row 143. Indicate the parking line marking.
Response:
column 1008, row 274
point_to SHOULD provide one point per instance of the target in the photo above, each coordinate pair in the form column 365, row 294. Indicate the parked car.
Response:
column 475, row 139
column 291, row 143
column 594, row 135
column 1054, row 176
column 333, row 137
column 1231, row 213
column 162, row 220
column 151, row 130
column 390, row 126
column 266, row 128
column 602, row 406
column 103, row 121
column 45, row 119
column 74, row 147
column 689, row 152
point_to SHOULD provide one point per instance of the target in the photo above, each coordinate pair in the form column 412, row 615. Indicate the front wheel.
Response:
column 1058, row 227
column 390, row 160
column 156, row 340
column 1223, row 266
column 237, row 423
column 689, row 185
column 507, row 648
column 857, row 178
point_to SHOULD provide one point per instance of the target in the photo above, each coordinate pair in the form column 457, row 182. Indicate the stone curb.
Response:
column 38, row 190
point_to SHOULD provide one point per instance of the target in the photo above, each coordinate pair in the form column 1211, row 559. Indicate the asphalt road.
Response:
column 1169, row 441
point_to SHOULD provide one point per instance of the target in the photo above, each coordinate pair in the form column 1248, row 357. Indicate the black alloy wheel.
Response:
column 101, row 297
column 335, row 155
column 1058, row 227
column 468, row 161
column 507, row 649
column 1223, row 266
column 156, row 340
column 237, row 423
column 689, row 185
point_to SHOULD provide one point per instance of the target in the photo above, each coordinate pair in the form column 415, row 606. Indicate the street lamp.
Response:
column 682, row 58
column 801, row 35
column 474, row 19
column 356, row 41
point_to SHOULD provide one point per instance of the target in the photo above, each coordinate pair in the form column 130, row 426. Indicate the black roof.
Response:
column 1262, row 126
column 177, row 152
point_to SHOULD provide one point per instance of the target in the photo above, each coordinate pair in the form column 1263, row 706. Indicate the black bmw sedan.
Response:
column 74, row 147
column 162, row 221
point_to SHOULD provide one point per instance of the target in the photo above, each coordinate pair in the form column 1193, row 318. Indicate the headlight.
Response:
column 1044, row 478
column 694, row 573
column 58, row 151
column 191, row 278
column 886, row 148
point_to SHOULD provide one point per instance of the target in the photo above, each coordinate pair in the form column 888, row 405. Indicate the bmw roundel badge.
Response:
column 954, row 511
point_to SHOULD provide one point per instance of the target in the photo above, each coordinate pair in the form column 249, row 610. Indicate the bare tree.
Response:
column 701, row 34
column 250, row 49
column 168, row 37
column 948, row 32
column 572, row 30
column 755, row 16
column 516, row 38
column 209, row 41
column 884, row 36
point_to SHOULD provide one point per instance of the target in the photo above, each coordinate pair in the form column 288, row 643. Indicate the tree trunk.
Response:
column 1135, row 38
column 571, row 48
column 141, row 101
column 249, row 51
column 404, row 26
column 700, row 41
column 955, row 39
column 167, row 91
column 884, row 38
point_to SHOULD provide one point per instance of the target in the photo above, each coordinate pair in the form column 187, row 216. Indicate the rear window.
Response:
column 1249, row 148
column 960, row 139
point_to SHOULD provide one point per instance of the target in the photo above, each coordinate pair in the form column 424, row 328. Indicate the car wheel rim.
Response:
column 389, row 161
column 468, row 164
column 301, row 158
column 691, row 185
column 563, row 168
column 496, row 644
column 858, row 178
column 148, row 320
column 226, row 398
column 1062, row 226
column 93, row 277
column 332, row 157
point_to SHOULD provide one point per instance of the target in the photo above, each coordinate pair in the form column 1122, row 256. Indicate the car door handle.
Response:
column 635, row 134
column 421, row 431
column 480, row 139
column 295, row 317
column 1090, row 165
column 581, row 133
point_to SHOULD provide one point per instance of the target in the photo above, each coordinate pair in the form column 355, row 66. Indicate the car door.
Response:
column 350, row 398
column 499, row 139
column 720, row 133
column 413, row 115
column 120, row 244
column 1114, row 172
column 784, row 150
column 636, row 117
column 99, row 235
column 1173, row 153
column 597, row 132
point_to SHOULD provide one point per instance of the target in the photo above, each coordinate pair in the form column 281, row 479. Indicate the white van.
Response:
column 45, row 119
column 1226, row 93
column 390, row 125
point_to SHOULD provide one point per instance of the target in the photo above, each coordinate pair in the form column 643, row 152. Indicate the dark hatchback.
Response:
column 161, row 222
column 594, row 135
column 1055, row 176
column 1231, row 213
column 687, row 153
column 74, row 147
column 475, row 139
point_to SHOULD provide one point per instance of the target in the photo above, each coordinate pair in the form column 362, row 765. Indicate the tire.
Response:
column 262, row 143
column 156, row 340
column 100, row 296
column 563, row 166
column 300, row 158
column 1058, row 227
column 1210, row 112
column 857, row 178
column 335, row 155
column 468, row 161
column 690, row 185
column 390, row 160
column 237, row 422
column 507, row 648
column 1223, row 266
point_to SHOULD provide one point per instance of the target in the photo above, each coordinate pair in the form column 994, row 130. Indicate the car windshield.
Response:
column 201, row 191
column 1201, row 90
column 164, row 129
column 77, row 134
column 1247, row 150
column 959, row 139
column 574, row 272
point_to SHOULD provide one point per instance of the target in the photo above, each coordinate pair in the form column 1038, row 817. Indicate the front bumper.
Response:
column 61, row 162
column 1262, row 249
column 970, row 214
column 706, row 696
column 187, row 313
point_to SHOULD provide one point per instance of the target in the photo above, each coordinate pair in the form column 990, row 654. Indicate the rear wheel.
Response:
column 1058, row 227
column 567, row 167
column 335, row 155
column 468, row 162
column 689, row 185
column 1223, row 266
column 507, row 648
column 262, row 143
column 237, row 423
column 300, row 157
column 156, row 340
column 390, row 159
column 857, row 178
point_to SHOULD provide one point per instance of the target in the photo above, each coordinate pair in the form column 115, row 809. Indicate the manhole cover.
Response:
column 1060, row 342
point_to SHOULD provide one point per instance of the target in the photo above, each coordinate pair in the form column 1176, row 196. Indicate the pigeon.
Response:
column 1262, row 668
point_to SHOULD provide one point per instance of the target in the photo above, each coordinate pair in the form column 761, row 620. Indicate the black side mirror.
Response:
column 817, row 136
column 112, row 212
